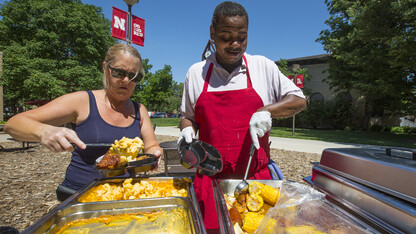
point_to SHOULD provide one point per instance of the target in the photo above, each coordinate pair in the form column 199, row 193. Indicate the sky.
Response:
column 176, row 32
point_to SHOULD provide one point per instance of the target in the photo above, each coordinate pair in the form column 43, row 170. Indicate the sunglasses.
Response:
column 120, row 74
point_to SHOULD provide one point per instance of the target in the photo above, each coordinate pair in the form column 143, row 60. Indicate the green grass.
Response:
column 165, row 122
column 358, row 137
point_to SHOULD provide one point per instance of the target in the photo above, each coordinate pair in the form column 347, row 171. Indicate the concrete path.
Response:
column 309, row 146
column 4, row 136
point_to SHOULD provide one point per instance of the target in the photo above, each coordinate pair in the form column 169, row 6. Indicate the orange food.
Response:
column 129, row 190
column 110, row 161
column 235, row 216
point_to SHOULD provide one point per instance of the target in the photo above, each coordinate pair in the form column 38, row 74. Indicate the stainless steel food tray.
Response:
column 227, row 186
column 56, row 219
column 388, row 170
column 382, row 211
column 75, row 198
column 222, row 187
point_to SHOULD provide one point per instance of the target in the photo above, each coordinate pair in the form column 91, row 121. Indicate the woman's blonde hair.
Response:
column 114, row 51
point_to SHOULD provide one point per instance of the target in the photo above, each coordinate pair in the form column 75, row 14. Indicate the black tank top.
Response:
column 94, row 129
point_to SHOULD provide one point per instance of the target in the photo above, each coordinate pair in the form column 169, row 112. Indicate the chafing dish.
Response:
column 376, row 185
column 72, row 208
column 75, row 198
column 225, row 186
column 57, row 219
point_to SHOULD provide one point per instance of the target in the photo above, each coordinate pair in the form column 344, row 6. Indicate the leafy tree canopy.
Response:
column 373, row 46
column 158, row 91
column 288, row 71
column 51, row 47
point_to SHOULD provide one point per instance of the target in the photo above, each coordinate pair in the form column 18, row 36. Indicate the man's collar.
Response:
column 212, row 58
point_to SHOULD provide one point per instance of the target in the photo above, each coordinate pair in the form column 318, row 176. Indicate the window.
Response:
column 316, row 97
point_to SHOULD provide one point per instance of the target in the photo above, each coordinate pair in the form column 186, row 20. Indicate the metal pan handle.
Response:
column 388, row 151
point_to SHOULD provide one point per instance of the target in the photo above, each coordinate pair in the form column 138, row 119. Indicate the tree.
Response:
column 51, row 47
column 287, row 71
column 373, row 44
column 159, row 91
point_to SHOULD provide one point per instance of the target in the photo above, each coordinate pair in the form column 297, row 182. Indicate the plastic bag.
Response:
column 302, row 209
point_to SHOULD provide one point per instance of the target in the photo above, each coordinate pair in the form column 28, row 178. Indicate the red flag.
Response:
column 299, row 81
column 291, row 78
column 119, row 25
column 137, row 30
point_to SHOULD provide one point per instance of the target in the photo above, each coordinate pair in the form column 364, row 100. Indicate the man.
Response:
column 230, row 99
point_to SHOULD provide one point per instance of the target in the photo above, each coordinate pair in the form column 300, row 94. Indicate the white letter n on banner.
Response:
column 119, row 23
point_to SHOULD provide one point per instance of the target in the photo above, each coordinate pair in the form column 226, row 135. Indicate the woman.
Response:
column 97, row 116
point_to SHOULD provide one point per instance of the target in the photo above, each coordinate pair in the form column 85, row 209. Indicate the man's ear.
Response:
column 211, row 32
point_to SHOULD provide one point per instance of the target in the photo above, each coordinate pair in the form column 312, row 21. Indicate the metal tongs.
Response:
column 242, row 187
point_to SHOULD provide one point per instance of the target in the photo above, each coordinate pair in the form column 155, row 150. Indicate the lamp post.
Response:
column 295, row 68
column 129, row 3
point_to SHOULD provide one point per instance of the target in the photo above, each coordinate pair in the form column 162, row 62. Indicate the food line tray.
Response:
column 383, row 212
column 227, row 186
column 76, row 197
column 390, row 170
column 71, row 208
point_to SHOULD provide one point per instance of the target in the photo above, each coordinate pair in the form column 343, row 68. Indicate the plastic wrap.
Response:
column 302, row 209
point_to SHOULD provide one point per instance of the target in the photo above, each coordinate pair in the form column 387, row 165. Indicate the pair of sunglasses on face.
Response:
column 120, row 74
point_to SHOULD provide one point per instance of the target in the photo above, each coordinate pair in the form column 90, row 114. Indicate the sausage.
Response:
column 235, row 216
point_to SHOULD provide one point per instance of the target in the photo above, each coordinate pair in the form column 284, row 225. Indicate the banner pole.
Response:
column 295, row 68
column 129, row 26
column 293, row 119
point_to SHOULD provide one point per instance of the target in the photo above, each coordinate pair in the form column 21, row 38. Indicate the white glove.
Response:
column 260, row 123
column 187, row 133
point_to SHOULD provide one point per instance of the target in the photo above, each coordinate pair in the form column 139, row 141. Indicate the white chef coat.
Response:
column 266, row 78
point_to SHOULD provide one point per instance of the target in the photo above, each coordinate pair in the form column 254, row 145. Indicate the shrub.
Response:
column 338, row 114
column 397, row 130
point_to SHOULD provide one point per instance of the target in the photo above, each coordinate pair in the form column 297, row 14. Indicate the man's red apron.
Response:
column 223, row 118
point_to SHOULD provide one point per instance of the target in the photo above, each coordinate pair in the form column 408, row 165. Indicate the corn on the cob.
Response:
column 255, row 187
column 302, row 229
column 268, row 193
column 252, row 221
column 265, row 208
column 270, row 226
column 254, row 202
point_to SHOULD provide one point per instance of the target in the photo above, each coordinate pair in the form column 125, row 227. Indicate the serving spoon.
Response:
column 242, row 187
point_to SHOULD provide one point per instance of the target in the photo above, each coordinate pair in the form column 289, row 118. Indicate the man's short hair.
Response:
column 228, row 8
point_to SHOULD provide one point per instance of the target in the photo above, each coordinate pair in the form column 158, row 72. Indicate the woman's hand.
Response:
column 58, row 139
column 158, row 155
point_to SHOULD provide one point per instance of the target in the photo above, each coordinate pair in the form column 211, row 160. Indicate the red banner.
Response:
column 119, row 25
column 137, row 30
column 299, row 80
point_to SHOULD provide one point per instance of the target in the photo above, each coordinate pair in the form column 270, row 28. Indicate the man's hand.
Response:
column 187, row 133
column 260, row 123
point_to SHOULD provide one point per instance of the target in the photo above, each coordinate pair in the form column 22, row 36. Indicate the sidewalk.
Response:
column 309, row 146
column 4, row 136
